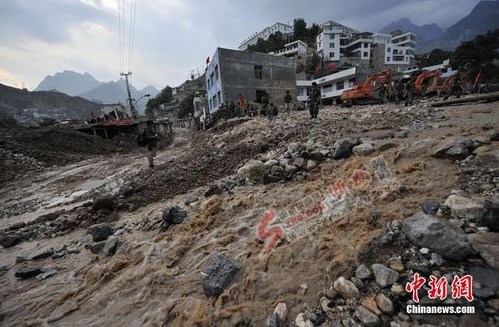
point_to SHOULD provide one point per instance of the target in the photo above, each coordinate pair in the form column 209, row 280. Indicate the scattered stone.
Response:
column 346, row 288
column 276, row 170
column 401, row 134
column 103, row 202
column 301, row 321
column 43, row 255
column 310, row 165
column 484, row 293
column 214, row 189
column 190, row 199
column 325, row 304
column 253, row 169
column 362, row 272
column 384, row 303
column 46, row 274
column 28, row 272
column 303, row 289
column 219, row 274
column 459, row 151
column 282, row 311
column 464, row 208
column 363, row 149
column 100, row 232
column 398, row 289
column 368, row 318
column 173, row 215
column 430, row 207
column 58, row 255
column 491, row 216
column 110, row 246
column 437, row 235
column 300, row 163
column 436, row 259
column 9, row 240
column 494, row 304
column 97, row 247
column 384, row 275
column 424, row 250
column 370, row 303
column 342, row 149
column 270, row 163
column 487, row 244
column 290, row 169
column 316, row 155
column 471, row 321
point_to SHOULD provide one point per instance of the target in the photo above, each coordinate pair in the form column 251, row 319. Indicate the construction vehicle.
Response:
column 367, row 92
column 427, row 81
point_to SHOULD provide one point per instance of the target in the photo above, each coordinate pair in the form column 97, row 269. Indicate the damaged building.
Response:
column 251, row 74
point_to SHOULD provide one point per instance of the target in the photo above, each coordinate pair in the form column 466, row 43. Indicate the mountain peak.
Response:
column 427, row 31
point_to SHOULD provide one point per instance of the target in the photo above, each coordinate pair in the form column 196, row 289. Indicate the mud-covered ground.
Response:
column 155, row 279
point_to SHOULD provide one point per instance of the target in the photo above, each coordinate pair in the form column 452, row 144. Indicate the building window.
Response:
column 366, row 54
column 331, row 36
column 388, row 49
column 216, row 73
column 219, row 95
column 331, row 55
column 331, row 45
column 208, row 84
column 387, row 58
column 340, row 85
column 258, row 71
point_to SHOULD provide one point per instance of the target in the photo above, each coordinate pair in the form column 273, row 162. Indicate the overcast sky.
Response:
column 172, row 37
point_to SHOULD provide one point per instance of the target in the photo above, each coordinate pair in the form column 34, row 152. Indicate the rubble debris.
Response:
column 219, row 274
column 214, row 189
column 430, row 207
column 346, row 288
column 103, row 202
column 110, row 246
column 100, row 232
column 487, row 245
column 172, row 215
column 384, row 276
column 28, row 272
column 9, row 240
column 475, row 98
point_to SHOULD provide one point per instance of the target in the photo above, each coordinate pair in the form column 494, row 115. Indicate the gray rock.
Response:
column 316, row 155
column 100, row 232
column 487, row 244
column 300, row 163
column 173, row 215
column 190, row 199
column 384, row 275
column 430, row 207
column 491, row 216
column 103, row 202
column 9, row 240
column 46, row 274
column 437, row 235
column 401, row 134
column 363, row 149
column 310, row 165
column 346, row 288
column 436, row 259
column 486, row 277
column 213, row 190
column 110, row 246
column 484, row 293
column 219, row 274
column 368, row 318
column 459, row 151
column 96, row 247
column 343, row 149
column 253, row 169
column 464, row 208
column 290, row 169
column 270, row 163
column 384, row 303
column 43, row 255
column 28, row 272
column 276, row 170
column 362, row 272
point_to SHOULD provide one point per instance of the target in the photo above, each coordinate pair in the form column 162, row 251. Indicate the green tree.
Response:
column 186, row 107
column 479, row 54
column 435, row 57
column 300, row 29
column 165, row 96
column 313, row 31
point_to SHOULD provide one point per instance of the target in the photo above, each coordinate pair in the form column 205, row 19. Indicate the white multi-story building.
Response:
column 290, row 49
column 265, row 33
column 399, row 48
column 331, row 85
column 330, row 40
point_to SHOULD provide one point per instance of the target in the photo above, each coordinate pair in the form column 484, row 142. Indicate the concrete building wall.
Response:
column 331, row 85
column 214, row 92
column 251, row 73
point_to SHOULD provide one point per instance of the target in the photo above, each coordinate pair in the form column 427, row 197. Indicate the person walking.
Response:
column 152, row 142
column 287, row 102
column 314, row 100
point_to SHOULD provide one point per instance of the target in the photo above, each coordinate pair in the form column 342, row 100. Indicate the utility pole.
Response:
column 132, row 108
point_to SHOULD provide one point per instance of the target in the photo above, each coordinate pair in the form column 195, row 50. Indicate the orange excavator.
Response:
column 367, row 92
column 423, row 85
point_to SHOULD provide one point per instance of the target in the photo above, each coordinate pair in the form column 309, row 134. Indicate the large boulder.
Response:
column 173, row 215
column 9, row 240
column 491, row 217
column 100, row 232
column 253, row 169
column 437, row 235
column 363, row 149
column 343, row 149
column 487, row 244
column 464, row 208
column 219, row 274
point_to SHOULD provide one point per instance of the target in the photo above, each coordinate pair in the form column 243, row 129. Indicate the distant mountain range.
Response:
column 86, row 86
column 483, row 17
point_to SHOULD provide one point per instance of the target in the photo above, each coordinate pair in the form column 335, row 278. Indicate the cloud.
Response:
column 172, row 37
